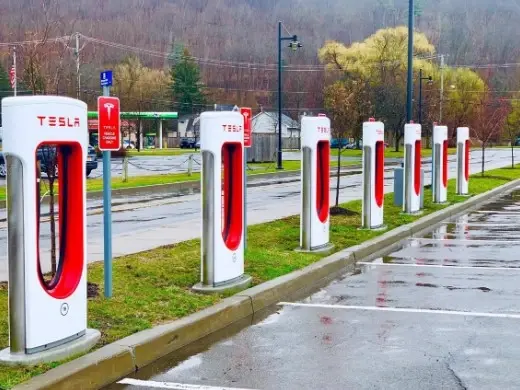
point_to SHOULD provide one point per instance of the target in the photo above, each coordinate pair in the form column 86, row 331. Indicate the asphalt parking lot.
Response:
column 441, row 311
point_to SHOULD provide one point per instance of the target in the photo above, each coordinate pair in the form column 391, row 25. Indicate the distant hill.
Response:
column 468, row 31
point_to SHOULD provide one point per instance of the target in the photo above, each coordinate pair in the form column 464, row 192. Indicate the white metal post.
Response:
column 160, row 134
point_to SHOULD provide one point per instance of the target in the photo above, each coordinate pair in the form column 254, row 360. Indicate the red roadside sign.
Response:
column 109, row 125
column 247, row 113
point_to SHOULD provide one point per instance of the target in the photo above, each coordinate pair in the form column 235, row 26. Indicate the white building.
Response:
column 267, row 123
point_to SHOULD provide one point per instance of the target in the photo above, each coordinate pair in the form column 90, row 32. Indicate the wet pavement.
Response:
column 440, row 312
column 149, row 221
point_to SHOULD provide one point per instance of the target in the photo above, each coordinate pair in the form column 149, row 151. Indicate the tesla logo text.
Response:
column 380, row 132
column 109, row 107
column 232, row 128
column 58, row 121
column 323, row 130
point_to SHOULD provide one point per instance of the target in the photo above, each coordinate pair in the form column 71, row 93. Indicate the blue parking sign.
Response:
column 105, row 78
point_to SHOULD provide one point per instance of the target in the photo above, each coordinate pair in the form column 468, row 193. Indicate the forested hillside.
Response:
column 220, row 33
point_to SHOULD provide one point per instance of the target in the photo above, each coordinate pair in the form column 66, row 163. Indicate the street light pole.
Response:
column 295, row 45
column 279, row 165
column 442, row 89
column 420, row 96
column 409, row 94
column 421, row 78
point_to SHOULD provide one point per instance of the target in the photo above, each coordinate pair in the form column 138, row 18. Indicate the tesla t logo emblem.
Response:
column 109, row 107
column 64, row 309
column 58, row 121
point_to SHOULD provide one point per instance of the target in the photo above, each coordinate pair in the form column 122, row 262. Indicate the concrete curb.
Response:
column 117, row 360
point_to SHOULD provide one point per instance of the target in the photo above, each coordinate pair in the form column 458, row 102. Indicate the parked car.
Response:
column 128, row 144
column 336, row 143
column 188, row 143
column 3, row 168
column 43, row 156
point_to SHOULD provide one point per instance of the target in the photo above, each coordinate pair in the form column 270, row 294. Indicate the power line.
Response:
column 268, row 67
column 34, row 42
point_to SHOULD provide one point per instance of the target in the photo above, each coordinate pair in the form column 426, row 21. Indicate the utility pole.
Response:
column 442, row 89
column 78, row 75
column 409, row 94
column 15, row 71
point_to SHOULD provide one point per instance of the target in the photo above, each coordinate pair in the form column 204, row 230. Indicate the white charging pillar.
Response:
column 412, row 168
column 315, row 179
column 463, row 150
column 373, row 174
column 440, row 164
column 47, row 316
column 222, row 244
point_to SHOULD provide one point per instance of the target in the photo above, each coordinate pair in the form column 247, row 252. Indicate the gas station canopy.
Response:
column 140, row 115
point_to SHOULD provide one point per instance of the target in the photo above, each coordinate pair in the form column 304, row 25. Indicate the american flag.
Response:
column 12, row 76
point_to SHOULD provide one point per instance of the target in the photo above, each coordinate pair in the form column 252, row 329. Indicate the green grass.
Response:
column 153, row 287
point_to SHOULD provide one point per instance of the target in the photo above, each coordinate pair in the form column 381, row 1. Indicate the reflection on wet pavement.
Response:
column 441, row 311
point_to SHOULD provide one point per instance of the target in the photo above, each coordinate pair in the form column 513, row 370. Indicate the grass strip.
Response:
column 153, row 287
column 389, row 152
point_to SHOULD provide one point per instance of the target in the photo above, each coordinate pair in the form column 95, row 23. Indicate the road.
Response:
column 440, row 312
column 157, row 222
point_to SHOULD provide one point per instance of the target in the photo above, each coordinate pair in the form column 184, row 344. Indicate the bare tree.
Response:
column 348, row 105
column 490, row 119
column 513, row 128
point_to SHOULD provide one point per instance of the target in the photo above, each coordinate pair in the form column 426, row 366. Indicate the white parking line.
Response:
column 368, row 263
column 174, row 386
column 496, row 212
column 470, row 242
column 402, row 310
column 481, row 224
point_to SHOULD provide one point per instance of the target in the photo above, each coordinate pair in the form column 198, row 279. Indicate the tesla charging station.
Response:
column 412, row 168
column 440, row 164
column 47, row 318
column 373, row 174
column 222, row 244
column 463, row 149
column 315, row 179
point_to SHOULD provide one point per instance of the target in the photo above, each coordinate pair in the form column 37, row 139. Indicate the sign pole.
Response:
column 247, row 114
column 109, row 139
column 245, row 198
column 107, row 215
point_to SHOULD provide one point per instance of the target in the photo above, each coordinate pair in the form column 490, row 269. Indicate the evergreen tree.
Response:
column 187, row 87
